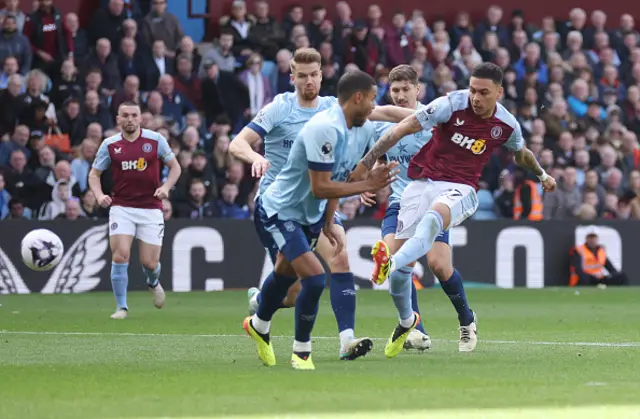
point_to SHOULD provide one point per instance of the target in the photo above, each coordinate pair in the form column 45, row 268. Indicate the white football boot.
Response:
column 417, row 340
column 253, row 300
column 120, row 314
column 469, row 336
column 158, row 295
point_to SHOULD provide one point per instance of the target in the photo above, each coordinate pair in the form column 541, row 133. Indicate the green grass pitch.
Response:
column 542, row 354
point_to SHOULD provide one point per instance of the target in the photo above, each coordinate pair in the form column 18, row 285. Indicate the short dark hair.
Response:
column 403, row 72
column 488, row 71
column 129, row 103
column 352, row 83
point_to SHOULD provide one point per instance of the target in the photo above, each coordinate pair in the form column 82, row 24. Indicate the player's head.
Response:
column 485, row 88
column 404, row 86
column 129, row 117
column 306, row 73
column 357, row 94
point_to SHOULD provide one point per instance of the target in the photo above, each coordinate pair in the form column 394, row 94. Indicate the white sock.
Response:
column 407, row 323
column 346, row 336
column 301, row 346
column 260, row 325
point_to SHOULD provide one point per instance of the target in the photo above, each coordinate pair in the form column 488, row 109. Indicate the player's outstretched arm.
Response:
column 390, row 113
column 322, row 187
column 527, row 160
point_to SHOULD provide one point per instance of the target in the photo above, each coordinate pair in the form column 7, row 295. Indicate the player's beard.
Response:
column 130, row 128
column 309, row 94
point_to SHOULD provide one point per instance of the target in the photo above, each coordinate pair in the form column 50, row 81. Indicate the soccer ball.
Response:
column 41, row 250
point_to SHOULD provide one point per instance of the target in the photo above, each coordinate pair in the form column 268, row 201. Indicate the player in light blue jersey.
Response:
column 278, row 124
column 301, row 203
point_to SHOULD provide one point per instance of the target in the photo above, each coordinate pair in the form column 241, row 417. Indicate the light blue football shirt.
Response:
column 278, row 124
column 402, row 153
column 323, row 144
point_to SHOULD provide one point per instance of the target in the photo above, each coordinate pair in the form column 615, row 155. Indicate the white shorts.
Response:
column 420, row 196
column 144, row 224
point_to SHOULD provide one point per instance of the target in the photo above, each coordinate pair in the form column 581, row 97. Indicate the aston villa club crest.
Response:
column 146, row 147
column 496, row 132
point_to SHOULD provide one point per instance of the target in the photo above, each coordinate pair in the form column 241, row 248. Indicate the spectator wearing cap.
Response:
column 14, row 44
column 70, row 121
column 107, row 22
column 66, row 85
column 12, row 8
column 79, row 36
column 221, row 54
column 50, row 38
column 18, row 141
column 492, row 23
column 364, row 49
column 160, row 25
column 11, row 104
column 239, row 25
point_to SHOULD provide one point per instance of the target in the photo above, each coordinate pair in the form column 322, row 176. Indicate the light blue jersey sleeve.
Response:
column 436, row 112
column 103, row 159
column 320, row 147
column 164, row 151
column 516, row 140
column 269, row 117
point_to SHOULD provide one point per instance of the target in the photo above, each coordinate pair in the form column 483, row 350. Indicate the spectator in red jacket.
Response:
column 51, row 40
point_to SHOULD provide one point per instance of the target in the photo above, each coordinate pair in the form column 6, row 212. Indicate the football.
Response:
column 41, row 250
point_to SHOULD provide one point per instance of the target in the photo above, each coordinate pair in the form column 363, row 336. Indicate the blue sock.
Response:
column 343, row 300
column 307, row 306
column 414, row 304
column 152, row 276
column 417, row 246
column 259, row 297
column 273, row 291
column 119, row 283
column 455, row 291
column 400, row 290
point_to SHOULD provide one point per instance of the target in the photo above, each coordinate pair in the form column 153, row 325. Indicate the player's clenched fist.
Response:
column 549, row 185
column 383, row 175
column 161, row 193
column 104, row 201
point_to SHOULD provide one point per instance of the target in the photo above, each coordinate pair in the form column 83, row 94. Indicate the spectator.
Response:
column 281, row 78
column 57, row 206
column 344, row 22
column 159, row 66
column 591, row 266
column 10, row 104
column 66, row 85
column 221, row 54
column 130, row 60
column 107, row 22
column 188, row 48
column 18, row 141
column 78, row 35
column 258, row 85
column 493, row 23
column 364, row 49
column 238, row 24
column 17, row 210
column 186, row 82
column 130, row 92
column 81, row 165
column 70, row 121
column 14, row 44
column 198, row 207
column 318, row 16
column 50, row 38
column 72, row 210
column 226, row 206
column 107, row 63
column 531, row 59
column 266, row 34
column 160, row 25
column 10, row 67
column 565, row 201
column 19, row 179
column 5, row 199
column 94, row 111
column 12, row 8
column 175, row 104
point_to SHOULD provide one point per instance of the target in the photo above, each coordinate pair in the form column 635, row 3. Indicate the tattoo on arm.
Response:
column 408, row 126
column 527, row 160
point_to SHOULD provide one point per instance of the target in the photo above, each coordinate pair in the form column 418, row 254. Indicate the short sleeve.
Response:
column 268, row 117
column 164, row 151
column 516, row 140
column 320, row 147
column 436, row 112
column 103, row 159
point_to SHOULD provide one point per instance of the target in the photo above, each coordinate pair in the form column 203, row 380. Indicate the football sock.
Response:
column 119, row 283
column 414, row 304
column 343, row 301
column 307, row 306
column 152, row 275
column 273, row 291
column 302, row 349
column 417, row 246
column 259, row 297
column 400, row 290
column 455, row 291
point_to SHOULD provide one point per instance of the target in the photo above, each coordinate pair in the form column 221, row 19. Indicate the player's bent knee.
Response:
column 149, row 264
column 315, row 283
column 340, row 263
column 440, row 268
column 445, row 213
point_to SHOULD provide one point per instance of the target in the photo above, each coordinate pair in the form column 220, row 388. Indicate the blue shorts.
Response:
column 390, row 224
column 289, row 237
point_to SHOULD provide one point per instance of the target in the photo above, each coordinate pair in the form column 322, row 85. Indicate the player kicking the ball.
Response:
column 279, row 123
column 301, row 202
column 135, row 157
column 469, row 126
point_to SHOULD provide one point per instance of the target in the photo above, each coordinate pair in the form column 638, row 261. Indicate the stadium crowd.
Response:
column 574, row 85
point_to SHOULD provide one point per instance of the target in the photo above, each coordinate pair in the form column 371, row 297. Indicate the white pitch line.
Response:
column 165, row 335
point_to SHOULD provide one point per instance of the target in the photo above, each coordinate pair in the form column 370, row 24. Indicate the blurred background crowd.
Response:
column 574, row 85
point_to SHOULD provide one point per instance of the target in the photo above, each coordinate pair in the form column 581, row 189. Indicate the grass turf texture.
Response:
column 191, row 359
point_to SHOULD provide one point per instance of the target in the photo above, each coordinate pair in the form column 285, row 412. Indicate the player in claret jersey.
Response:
column 469, row 126
column 136, row 157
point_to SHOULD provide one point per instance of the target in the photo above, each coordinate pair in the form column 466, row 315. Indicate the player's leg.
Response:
column 150, row 233
column 343, row 298
column 418, row 338
column 121, row 234
column 439, row 259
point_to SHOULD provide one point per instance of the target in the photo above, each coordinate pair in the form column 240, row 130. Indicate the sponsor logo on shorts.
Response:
column 114, row 226
column 146, row 147
column 289, row 226
column 139, row 165
column 475, row 146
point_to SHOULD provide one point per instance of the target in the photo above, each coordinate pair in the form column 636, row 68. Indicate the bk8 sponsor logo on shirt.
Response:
column 139, row 164
column 471, row 144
